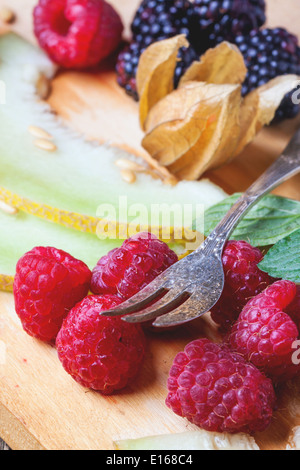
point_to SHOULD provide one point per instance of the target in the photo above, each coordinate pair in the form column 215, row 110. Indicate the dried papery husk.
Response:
column 210, row 147
column 259, row 107
column 155, row 75
column 189, row 145
column 177, row 104
column 220, row 65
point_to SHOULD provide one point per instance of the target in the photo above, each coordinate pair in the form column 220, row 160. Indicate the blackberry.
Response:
column 126, row 68
column 128, row 61
column 186, row 57
column 154, row 21
column 269, row 53
column 214, row 21
column 161, row 19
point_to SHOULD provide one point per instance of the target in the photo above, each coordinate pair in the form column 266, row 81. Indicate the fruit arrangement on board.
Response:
column 207, row 76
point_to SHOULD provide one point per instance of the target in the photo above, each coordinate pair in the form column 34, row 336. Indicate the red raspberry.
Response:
column 99, row 352
column 243, row 280
column 127, row 270
column 293, row 310
column 218, row 390
column 264, row 334
column 77, row 33
column 48, row 283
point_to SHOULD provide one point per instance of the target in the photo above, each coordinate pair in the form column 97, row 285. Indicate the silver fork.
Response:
column 192, row 286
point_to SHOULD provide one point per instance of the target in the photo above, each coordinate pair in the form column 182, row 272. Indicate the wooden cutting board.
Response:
column 41, row 407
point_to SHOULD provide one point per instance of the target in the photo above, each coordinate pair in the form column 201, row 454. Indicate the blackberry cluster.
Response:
column 154, row 21
column 204, row 22
column 161, row 19
column 217, row 20
column 269, row 53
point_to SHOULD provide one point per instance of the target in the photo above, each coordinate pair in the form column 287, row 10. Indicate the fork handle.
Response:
column 287, row 165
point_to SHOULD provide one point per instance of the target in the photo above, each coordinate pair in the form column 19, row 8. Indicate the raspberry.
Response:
column 128, row 269
column 264, row 334
column 99, row 352
column 293, row 309
column 77, row 33
column 48, row 283
column 269, row 53
column 243, row 280
column 218, row 390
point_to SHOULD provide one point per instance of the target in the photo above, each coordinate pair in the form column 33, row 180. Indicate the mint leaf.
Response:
column 283, row 259
column 270, row 220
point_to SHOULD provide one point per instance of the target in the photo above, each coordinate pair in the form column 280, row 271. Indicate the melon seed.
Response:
column 45, row 145
column 128, row 176
column 7, row 208
column 39, row 133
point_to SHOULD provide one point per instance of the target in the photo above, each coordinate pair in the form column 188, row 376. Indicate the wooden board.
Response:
column 43, row 408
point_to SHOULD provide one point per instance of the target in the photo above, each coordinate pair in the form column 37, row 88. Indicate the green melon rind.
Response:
column 189, row 440
column 70, row 186
column 21, row 232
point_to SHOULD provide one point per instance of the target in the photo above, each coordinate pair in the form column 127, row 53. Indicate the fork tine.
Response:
column 139, row 301
column 168, row 302
column 189, row 310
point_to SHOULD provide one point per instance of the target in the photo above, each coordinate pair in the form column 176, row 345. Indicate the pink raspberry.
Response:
column 218, row 390
column 243, row 280
column 99, row 352
column 293, row 309
column 77, row 33
column 48, row 283
column 264, row 334
column 128, row 269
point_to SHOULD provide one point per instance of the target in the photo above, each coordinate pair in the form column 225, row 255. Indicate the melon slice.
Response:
column 79, row 184
column 192, row 440
column 21, row 232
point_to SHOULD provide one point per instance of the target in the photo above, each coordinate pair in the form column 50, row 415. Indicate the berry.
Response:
column 221, row 20
column 155, row 20
column 186, row 57
column 243, row 280
column 218, row 390
column 77, row 33
column 101, row 353
column 269, row 53
column 48, row 283
column 293, row 309
column 128, row 269
column 126, row 68
column 264, row 334
column 161, row 19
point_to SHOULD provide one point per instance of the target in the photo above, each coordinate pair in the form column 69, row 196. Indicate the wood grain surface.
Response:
column 43, row 408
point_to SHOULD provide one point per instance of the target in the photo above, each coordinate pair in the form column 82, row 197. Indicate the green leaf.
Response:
column 283, row 259
column 270, row 220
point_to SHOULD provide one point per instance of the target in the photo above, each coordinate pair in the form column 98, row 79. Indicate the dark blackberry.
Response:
column 161, row 19
column 186, row 57
column 214, row 21
column 154, row 20
column 128, row 60
column 269, row 53
column 126, row 68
